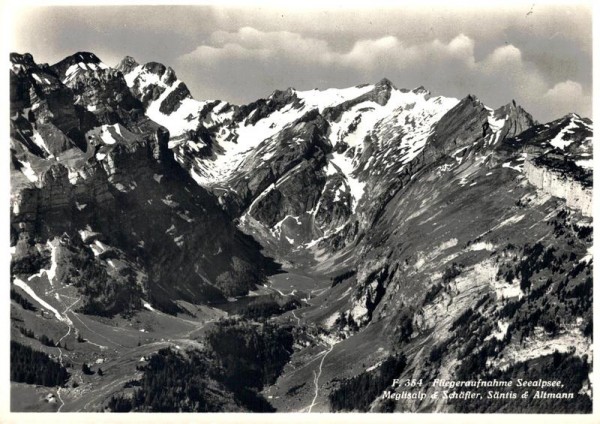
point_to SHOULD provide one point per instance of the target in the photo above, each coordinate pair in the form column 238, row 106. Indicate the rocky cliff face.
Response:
column 559, row 160
column 86, row 158
column 317, row 168
column 560, row 185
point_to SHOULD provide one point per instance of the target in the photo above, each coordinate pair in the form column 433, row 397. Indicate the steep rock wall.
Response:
column 558, row 185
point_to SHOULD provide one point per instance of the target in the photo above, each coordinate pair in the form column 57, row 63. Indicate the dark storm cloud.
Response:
column 541, row 59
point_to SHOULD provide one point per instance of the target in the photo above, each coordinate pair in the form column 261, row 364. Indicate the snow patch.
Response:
column 518, row 168
column 330, row 321
column 448, row 244
column 37, row 78
column 98, row 247
column 50, row 272
column 28, row 171
column 482, row 245
column 23, row 285
column 585, row 163
column 589, row 255
column 39, row 141
column 374, row 367
column 107, row 136
column 509, row 221
column 345, row 165
column 559, row 141
column 149, row 307
column 322, row 99
column 496, row 125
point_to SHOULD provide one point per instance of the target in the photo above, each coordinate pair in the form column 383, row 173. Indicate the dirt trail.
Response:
column 297, row 319
column 60, row 352
column 317, row 376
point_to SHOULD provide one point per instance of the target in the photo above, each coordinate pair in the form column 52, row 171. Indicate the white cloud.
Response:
column 462, row 45
column 248, row 42
column 507, row 55
column 568, row 96
column 266, row 60
column 565, row 89
column 366, row 54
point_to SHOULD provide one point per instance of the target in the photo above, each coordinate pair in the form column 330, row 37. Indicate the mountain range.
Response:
column 304, row 252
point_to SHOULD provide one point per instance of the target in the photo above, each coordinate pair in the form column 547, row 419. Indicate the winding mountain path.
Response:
column 317, row 376
column 60, row 352
column 295, row 316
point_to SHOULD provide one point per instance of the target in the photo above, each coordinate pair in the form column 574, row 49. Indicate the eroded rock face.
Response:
column 300, row 151
column 380, row 94
column 559, row 160
column 561, row 185
column 462, row 126
column 269, row 166
column 109, row 171
column 517, row 119
column 173, row 100
column 322, row 168
column 127, row 65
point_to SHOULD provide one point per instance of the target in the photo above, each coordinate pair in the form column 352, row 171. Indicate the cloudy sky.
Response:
column 538, row 54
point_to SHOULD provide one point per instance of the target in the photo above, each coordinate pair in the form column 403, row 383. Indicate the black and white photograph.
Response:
column 321, row 208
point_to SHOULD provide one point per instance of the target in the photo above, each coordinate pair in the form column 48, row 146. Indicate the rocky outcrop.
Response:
column 255, row 111
column 164, row 74
column 372, row 282
column 462, row 126
column 560, row 185
column 380, row 94
column 119, row 180
column 174, row 98
column 127, row 64
column 516, row 119
column 295, row 169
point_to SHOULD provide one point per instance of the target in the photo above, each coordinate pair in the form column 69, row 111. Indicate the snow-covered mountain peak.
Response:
column 365, row 122
column 151, row 73
column 572, row 129
column 166, row 98
column 355, row 141
column 379, row 93
column 331, row 97
column 77, row 64
column 84, row 58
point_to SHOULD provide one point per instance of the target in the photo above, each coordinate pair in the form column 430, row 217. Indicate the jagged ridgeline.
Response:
column 390, row 233
column 97, row 192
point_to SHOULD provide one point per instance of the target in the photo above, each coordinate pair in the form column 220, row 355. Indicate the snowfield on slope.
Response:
column 394, row 133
